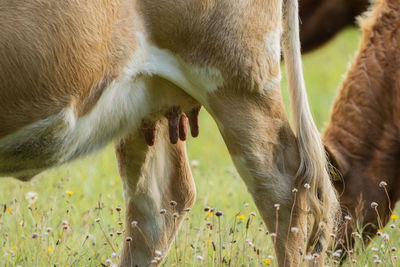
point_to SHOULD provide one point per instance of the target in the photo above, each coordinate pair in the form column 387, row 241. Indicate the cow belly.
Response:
column 63, row 137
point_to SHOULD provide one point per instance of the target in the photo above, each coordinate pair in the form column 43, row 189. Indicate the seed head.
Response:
column 118, row 208
column 163, row 211
column 207, row 209
column 173, row 203
column 35, row 235
column 128, row 239
column 374, row 205
column 49, row 229
column 134, row 224
column 382, row 184
column 218, row 213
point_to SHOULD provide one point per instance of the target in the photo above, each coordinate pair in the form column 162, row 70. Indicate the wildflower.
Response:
column 394, row 217
column 69, row 193
column 199, row 257
column 31, row 197
column 332, row 235
column 114, row 255
column 175, row 214
column 209, row 214
column 187, row 209
column 253, row 214
column 376, row 257
column 392, row 226
column 315, row 255
column 294, row 190
column 153, row 261
column 336, row 254
column 308, row 257
column 119, row 233
column 134, row 224
column 294, row 230
column 9, row 210
column 108, row 262
column 393, row 249
column 374, row 249
column 273, row 234
column 118, row 208
column 128, row 239
column 385, row 237
column 97, row 220
column 382, row 184
column 218, row 213
column 374, row 205
column 353, row 260
column 241, row 217
column 163, row 211
column 207, row 209
column 64, row 222
column 35, row 235
column 49, row 229
column 267, row 262
column 347, row 218
column 307, row 186
column 212, row 209
column 173, row 203
column 50, row 250
column 158, row 253
column 277, row 206
column 246, row 205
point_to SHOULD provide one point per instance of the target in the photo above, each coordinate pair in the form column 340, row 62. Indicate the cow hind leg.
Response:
column 158, row 190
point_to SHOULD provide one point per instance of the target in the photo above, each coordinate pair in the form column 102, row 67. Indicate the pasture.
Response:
column 70, row 216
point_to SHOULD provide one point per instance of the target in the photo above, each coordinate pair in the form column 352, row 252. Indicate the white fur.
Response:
column 122, row 106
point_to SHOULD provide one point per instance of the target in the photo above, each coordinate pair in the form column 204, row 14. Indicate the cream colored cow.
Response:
column 78, row 74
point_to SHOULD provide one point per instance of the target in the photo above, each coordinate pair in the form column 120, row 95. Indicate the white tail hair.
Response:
column 313, row 162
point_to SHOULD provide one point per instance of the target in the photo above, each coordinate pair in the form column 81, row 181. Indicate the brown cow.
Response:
column 363, row 135
column 77, row 74
column 322, row 19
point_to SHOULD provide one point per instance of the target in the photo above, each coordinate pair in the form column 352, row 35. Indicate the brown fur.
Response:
column 88, row 47
column 322, row 19
column 363, row 133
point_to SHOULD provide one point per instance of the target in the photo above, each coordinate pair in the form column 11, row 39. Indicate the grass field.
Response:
column 60, row 206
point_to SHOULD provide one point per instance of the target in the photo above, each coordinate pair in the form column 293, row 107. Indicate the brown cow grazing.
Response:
column 77, row 74
column 363, row 137
column 322, row 19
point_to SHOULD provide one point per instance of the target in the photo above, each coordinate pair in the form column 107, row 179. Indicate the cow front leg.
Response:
column 158, row 191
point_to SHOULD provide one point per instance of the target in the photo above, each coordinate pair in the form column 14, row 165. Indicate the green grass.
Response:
column 96, row 192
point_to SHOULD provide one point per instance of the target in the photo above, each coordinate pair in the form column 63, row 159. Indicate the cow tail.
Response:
column 321, row 197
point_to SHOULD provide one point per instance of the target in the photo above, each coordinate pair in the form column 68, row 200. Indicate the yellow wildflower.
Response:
column 394, row 217
column 267, row 262
column 241, row 217
column 50, row 249
column 9, row 210
column 210, row 214
column 380, row 231
column 69, row 193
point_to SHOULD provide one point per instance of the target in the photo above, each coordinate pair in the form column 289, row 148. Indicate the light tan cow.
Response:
column 75, row 75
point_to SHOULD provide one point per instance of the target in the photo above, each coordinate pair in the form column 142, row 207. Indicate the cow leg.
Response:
column 158, row 188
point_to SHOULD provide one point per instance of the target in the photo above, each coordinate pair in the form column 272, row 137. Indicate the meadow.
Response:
column 70, row 216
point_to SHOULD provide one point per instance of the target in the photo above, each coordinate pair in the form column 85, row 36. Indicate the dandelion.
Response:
column 9, row 210
column 394, row 217
column 69, row 193
column 32, row 197
column 267, row 262
column 382, row 184
column 209, row 214
column 374, row 205
column 158, row 253
column 50, row 250
column 241, row 217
